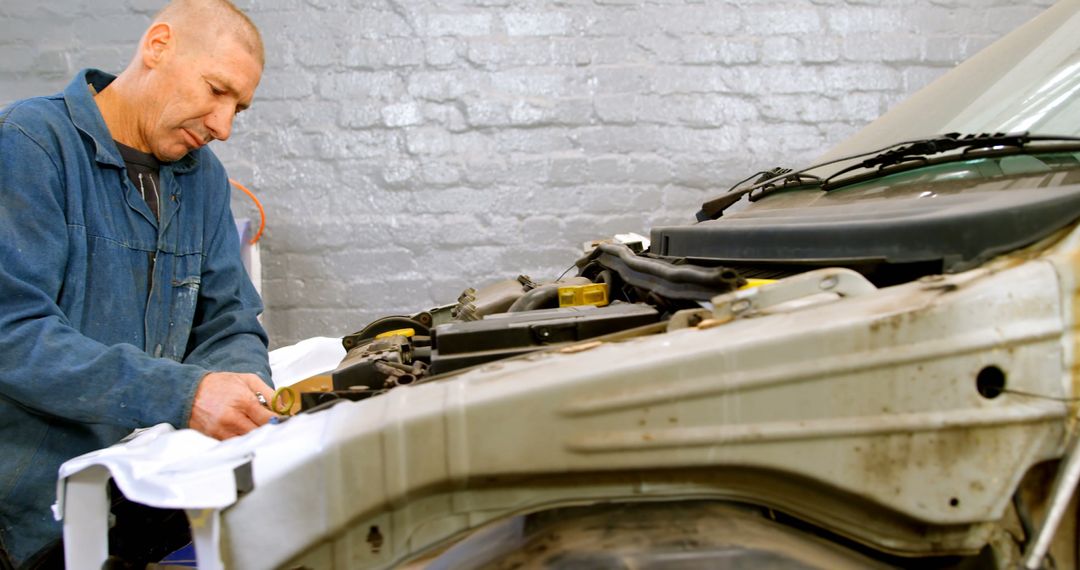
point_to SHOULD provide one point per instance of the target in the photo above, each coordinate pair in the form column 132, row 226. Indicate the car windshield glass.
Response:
column 1003, row 173
column 976, row 177
column 1023, row 87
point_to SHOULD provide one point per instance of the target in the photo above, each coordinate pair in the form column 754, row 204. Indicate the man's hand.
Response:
column 226, row 404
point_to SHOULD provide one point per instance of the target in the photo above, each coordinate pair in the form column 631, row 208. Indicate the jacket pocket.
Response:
column 183, row 305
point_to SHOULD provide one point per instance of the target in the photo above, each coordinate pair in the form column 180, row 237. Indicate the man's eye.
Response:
column 215, row 90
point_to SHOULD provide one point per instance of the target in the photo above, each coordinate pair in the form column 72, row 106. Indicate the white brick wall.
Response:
column 407, row 149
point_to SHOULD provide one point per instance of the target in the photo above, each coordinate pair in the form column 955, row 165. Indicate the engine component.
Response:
column 459, row 345
column 544, row 296
column 474, row 304
column 659, row 277
column 316, row 401
column 382, row 363
column 636, row 242
column 387, row 324
column 595, row 294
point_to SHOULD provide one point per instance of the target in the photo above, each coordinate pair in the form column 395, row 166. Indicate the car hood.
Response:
column 1027, row 81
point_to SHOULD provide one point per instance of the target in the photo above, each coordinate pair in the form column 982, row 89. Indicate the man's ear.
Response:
column 157, row 44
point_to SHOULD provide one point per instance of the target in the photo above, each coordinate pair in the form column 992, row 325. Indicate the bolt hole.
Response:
column 990, row 382
column 954, row 502
column 375, row 539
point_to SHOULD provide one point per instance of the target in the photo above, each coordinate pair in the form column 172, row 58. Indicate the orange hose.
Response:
column 258, row 204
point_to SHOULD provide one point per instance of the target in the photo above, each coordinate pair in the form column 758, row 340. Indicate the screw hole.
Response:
column 954, row 502
column 375, row 539
column 990, row 382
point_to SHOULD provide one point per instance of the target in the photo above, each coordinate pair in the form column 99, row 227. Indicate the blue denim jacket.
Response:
column 87, row 352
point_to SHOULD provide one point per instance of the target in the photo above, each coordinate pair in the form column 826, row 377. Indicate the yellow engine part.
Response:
column 407, row 333
column 577, row 295
column 751, row 283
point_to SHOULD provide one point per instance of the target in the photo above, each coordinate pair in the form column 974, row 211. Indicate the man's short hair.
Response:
column 208, row 19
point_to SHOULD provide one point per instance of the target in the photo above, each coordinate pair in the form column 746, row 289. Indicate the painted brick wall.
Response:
column 407, row 149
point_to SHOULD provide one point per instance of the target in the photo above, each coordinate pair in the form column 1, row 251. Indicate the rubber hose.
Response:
column 542, row 296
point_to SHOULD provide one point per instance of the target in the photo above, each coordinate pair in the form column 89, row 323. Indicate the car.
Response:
column 868, row 362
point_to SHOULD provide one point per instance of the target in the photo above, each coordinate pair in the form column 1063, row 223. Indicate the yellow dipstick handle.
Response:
column 283, row 401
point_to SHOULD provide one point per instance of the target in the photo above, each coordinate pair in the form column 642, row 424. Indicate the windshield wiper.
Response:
column 881, row 159
column 921, row 150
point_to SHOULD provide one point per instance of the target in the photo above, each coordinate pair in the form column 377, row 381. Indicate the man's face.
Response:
column 198, row 93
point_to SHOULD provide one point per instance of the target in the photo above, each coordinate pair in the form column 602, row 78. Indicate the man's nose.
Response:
column 219, row 123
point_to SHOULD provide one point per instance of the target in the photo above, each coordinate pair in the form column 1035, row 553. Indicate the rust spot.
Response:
column 646, row 437
column 886, row 457
column 711, row 323
column 581, row 347
column 893, row 322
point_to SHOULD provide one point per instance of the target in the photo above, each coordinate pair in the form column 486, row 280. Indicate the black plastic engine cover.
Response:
column 459, row 345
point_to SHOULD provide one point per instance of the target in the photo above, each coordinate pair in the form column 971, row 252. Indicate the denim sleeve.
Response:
column 46, row 365
column 226, row 335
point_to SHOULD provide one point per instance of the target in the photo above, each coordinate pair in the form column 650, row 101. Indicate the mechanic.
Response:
column 123, row 300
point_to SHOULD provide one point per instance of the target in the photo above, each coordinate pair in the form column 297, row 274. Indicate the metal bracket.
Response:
column 687, row 318
column 744, row 302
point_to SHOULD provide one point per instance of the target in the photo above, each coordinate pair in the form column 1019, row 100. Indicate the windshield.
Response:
column 996, row 174
column 1028, row 81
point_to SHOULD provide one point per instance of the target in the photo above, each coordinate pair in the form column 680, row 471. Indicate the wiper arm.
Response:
column 891, row 155
column 766, row 179
column 922, row 150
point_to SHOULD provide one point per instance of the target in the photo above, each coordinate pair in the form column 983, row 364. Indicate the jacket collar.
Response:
column 86, row 117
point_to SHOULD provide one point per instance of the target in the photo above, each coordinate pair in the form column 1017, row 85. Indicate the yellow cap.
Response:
column 407, row 333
